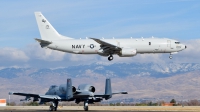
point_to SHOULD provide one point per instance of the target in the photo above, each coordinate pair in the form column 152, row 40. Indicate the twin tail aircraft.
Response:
column 67, row 92
column 51, row 39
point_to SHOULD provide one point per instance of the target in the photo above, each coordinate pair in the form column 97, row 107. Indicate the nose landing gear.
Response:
column 85, row 105
column 110, row 58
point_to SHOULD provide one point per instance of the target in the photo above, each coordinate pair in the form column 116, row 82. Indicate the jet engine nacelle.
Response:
column 86, row 87
column 127, row 52
column 62, row 88
column 92, row 89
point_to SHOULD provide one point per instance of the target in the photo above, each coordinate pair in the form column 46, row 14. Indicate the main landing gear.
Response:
column 85, row 105
column 170, row 56
column 110, row 58
column 53, row 106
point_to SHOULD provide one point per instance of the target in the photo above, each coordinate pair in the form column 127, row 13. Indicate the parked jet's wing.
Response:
column 49, row 96
column 106, row 44
column 24, row 94
column 36, row 95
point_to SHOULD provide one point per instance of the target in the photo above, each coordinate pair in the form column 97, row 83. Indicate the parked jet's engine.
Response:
column 127, row 52
column 62, row 88
column 92, row 89
column 86, row 87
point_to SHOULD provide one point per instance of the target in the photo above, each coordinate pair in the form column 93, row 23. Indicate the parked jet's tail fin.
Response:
column 108, row 89
column 69, row 93
column 47, row 31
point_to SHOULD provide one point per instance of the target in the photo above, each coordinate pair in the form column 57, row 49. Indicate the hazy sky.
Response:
column 176, row 19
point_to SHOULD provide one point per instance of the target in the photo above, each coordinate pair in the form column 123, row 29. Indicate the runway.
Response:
column 102, row 109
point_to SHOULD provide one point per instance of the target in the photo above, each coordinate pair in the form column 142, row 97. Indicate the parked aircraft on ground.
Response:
column 50, row 38
column 67, row 92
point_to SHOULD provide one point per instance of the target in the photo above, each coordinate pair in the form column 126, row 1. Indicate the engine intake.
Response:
column 62, row 88
column 92, row 89
column 86, row 87
column 73, row 89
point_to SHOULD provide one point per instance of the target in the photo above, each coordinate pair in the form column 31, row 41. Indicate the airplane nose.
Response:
column 185, row 47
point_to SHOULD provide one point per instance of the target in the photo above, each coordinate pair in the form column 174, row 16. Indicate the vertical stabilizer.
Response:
column 47, row 31
column 69, row 93
column 108, row 89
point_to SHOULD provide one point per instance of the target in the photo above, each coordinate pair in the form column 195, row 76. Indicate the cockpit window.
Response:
column 53, row 86
column 177, row 42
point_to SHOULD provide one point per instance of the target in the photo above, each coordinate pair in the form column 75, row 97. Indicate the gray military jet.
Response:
column 67, row 92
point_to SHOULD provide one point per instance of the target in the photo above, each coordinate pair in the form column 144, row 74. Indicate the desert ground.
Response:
column 102, row 108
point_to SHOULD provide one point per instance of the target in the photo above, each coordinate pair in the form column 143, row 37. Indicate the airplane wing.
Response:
column 107, row 47
column 50, row 97
column 36, row 95
column 24, row 94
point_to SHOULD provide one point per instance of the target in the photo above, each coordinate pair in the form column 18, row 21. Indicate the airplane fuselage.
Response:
column 80, row 93
column 50, row 38
column 141, row 45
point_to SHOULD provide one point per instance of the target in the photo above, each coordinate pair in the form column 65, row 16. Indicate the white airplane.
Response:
column 51, row 39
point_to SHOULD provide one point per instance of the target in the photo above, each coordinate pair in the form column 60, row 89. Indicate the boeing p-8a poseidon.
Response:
column 50, row 38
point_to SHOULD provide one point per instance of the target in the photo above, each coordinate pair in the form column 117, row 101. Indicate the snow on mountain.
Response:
column 107, row 70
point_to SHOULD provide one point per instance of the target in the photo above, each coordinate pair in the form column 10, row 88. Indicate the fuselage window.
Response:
column 149, row 43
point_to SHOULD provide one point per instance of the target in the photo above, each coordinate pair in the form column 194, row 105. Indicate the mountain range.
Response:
column 113, row 70
column 141, row 80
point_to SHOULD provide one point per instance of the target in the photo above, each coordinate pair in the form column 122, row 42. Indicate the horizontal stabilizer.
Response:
column 122, row 92
column 108, row 91
column 106, row 96
column 43, row 43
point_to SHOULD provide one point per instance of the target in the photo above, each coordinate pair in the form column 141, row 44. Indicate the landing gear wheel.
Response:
column 55, row 109
column 110, row 58
column 51, row 108
column 86, row 105
column 86, row 108
column 170, row 57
